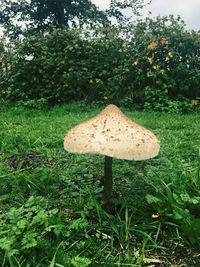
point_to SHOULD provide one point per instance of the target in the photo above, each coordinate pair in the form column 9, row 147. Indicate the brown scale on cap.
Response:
column 112, row 134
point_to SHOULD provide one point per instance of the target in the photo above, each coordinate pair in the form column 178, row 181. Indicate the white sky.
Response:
column 189, row 10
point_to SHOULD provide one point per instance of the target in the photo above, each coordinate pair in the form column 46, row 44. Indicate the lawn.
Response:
column 49, row 199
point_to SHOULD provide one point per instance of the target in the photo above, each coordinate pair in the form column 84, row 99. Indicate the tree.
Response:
column 117, row 7
column 40, row 15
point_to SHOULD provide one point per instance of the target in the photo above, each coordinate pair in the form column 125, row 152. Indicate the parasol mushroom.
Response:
column 112, row 134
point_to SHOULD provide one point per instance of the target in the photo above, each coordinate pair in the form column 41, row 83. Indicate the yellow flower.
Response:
column 105, row 97
column 136, row 62
column 170, row 54
column 120, row 50
column 152, row 45
column 168, row 68
column 155, row 67
column 150, row 59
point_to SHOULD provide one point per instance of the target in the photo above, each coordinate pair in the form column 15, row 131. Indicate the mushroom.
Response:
column 112, row 134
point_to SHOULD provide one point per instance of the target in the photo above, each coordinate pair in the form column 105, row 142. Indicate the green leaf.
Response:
column 152, row 199
column 80, row 261
column 29, row 240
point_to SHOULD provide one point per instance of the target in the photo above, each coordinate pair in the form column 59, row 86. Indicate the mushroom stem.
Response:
column 107, row 183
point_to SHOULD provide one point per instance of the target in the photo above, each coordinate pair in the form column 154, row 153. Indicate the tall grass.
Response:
column 49, row 209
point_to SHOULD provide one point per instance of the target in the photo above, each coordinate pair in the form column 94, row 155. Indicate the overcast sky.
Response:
column 189, row 10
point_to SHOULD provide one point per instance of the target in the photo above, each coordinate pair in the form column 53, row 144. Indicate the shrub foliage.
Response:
column 153, row 64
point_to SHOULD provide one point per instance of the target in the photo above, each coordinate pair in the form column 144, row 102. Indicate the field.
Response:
column 49, row 199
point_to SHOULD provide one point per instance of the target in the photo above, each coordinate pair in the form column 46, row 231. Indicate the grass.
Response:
column 49, row 209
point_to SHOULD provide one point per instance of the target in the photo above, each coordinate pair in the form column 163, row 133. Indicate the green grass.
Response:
column 49, row 209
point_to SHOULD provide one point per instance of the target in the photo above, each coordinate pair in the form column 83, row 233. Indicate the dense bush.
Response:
column 153, row 64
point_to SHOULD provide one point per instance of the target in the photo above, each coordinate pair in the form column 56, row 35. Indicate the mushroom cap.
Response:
column 112, row 134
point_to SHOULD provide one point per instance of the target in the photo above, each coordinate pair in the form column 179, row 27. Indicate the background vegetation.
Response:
column 151, row 65
column 38, row 16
